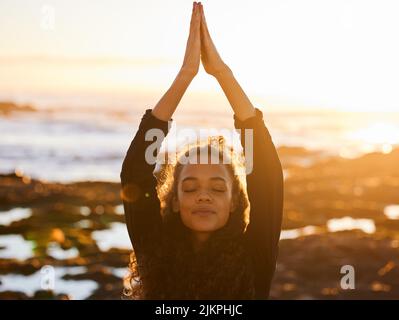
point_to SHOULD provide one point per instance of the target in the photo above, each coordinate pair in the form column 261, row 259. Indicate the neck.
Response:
column 199, row 239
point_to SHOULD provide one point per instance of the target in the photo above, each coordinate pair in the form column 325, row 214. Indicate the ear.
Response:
column 175, row 204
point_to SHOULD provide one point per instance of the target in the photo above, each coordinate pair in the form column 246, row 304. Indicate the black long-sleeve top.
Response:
column 264, row 188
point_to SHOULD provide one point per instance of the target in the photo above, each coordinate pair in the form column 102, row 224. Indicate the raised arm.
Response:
column 266, row 194
column 215, row 66
column 265, row 182
column 140, row 200
column 168, row 103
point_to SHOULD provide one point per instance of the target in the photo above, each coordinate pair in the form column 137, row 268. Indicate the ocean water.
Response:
column 76, row 144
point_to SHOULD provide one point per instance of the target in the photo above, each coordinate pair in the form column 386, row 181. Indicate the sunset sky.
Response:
column 338, row 54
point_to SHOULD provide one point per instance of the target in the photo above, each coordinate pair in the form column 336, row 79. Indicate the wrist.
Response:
column 185, row 75
column 223, row 73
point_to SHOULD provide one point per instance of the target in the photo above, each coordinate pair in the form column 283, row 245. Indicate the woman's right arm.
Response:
column 168, row 103
column 140, row 200
column 141, row 204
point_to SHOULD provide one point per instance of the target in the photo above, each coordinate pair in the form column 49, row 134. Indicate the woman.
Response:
column 188, row 225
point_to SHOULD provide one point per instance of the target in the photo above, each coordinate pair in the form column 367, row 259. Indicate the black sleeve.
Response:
column 265, row 192
column 140, row 200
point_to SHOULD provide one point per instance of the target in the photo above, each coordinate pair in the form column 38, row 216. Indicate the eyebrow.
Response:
column 212, row 178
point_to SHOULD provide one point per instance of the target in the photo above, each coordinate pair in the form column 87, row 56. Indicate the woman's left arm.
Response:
column 265, row 181
column 215, row 66
column 266, row 193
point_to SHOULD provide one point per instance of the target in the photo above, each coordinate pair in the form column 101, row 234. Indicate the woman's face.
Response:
column 204, row 196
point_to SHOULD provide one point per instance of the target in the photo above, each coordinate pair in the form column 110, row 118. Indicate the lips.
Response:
column 203, row 212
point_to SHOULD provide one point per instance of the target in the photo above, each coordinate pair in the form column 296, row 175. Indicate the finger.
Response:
column 204, row 28
column 193, row 14
column 203, row 22
column 195, row 18
column 196, row 14
column 195, row 23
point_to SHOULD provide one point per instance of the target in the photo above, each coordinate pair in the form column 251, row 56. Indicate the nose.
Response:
column 204, row 196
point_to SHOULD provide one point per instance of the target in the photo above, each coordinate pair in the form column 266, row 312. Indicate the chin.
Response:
column 204, row 227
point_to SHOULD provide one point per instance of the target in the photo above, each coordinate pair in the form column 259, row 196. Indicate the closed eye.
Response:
column 189, row 190
column 193, row 190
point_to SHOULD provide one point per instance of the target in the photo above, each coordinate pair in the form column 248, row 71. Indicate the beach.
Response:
column 337, row 212
column 77, row 79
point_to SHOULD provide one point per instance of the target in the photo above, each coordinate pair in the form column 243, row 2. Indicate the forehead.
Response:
column 205, row 171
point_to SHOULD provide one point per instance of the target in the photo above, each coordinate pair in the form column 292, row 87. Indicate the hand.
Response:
column 211, row 60
column 192, row 56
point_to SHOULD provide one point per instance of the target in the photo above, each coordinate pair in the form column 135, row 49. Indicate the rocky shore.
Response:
column 59, row 224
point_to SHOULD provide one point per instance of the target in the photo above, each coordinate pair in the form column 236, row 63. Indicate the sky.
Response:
column 288, row 54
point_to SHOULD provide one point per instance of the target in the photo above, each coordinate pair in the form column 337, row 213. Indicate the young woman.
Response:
column 188, row 225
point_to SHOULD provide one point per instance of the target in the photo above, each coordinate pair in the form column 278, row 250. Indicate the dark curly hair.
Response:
column 222, row 268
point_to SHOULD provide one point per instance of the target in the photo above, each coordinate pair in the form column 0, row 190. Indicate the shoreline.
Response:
column 67, row 218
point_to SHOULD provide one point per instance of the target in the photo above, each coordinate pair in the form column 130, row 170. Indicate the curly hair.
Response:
column 222, row 268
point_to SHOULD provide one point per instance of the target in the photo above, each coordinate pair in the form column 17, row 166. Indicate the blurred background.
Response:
column 76, row 78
